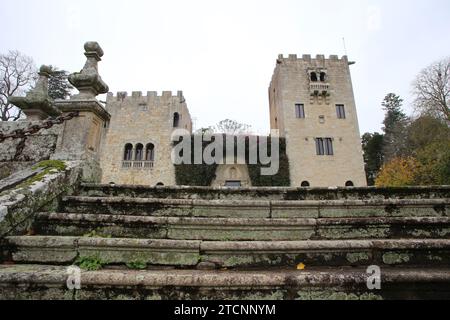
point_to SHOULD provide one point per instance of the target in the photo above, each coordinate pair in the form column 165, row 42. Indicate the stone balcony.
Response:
column 147, row 165
column 317, row 88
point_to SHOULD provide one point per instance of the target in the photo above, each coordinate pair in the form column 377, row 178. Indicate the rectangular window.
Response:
column 329, row 147
column 340, row 110
column 324, row 146
column 300, row 111
column 320, row 147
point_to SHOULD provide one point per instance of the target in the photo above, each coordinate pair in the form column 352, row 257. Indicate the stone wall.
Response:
column 19, row 203
column 139, row 119
column 17, row 154
column 291, row 85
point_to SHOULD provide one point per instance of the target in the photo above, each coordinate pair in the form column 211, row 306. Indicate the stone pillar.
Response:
column 82, row 136
column 37, row 105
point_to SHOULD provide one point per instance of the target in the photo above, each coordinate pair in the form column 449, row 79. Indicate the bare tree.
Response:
column 432, row 90
column 230, row 127
column 17, row 74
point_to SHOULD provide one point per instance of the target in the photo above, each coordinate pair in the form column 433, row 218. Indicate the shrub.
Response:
column 399, row 172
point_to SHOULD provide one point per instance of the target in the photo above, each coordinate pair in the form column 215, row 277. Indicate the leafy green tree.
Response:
column 58, row 84
column 395, row 124
column 425, row 131
column 373, row 155
column 434, row 162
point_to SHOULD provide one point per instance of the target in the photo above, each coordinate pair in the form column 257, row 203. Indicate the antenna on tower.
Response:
column 345, row 46
column 350, row 63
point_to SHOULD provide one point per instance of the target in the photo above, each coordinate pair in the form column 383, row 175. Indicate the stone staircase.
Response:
column 198, row 243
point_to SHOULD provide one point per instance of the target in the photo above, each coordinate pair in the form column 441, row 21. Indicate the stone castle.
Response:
column 65, row 235
column 311, row 104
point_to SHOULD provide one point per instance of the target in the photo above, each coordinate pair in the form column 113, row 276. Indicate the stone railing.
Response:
column 28, row 191
column 317, row 88
column 43, row 136
column 137, row 165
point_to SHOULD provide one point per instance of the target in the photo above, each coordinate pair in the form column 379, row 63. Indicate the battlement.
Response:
column 123, row 95
column 309, row 58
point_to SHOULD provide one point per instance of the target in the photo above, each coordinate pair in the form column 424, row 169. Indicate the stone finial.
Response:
column 88, row 81
column 37, row 105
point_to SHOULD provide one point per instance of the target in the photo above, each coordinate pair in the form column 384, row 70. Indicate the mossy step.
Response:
column 207, row 193
column 37, row 282
column 257, row 209
column 63, row 250
column 244, row 254
column 66, row 224
column 230, row 254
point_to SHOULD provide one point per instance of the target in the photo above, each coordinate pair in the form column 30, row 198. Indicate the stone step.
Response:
column 207, row 193
column 125, row 226
column 39, row 282
column 229, row 254
column 63, row 250
column 257, row 209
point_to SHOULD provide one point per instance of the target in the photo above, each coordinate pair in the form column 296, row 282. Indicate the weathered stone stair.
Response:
column 238, row 243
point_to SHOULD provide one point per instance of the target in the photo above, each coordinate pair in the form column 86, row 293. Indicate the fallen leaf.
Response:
column 301, row 266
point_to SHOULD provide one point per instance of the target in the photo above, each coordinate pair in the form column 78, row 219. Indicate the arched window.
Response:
column 176, row 120
column 349, row 184
column 139, row 152
column 323, row 76
column 305, row 184
column 150, row 152
column 128, row 153
column 160, row 184
column 313, row 77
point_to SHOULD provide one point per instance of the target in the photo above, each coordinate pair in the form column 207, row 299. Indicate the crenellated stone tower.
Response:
column 313, row 105
column 138, row 145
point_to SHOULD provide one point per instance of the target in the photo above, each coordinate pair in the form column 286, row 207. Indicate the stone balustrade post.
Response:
column 83, row 135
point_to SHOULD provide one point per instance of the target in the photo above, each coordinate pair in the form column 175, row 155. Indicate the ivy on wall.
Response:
column 282, row 179
column 204, row 175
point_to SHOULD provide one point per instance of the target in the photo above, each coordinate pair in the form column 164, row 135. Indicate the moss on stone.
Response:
column 137, row 265
column 392, row 258
column 357, row 257
column 90, row 263
column 48, row 166
column 53, row 164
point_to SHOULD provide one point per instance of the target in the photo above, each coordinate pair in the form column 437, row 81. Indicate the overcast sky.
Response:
column 222, row 53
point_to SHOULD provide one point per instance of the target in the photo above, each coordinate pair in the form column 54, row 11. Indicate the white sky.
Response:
column 222, row 53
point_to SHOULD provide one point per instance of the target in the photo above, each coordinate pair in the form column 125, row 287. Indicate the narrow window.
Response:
column 323, row 76
column 320, row 147
column 128, row 154
column 340, row 110
column 150, row 152
column 300, row 111
column 176, row 120
column 313, row 77
column 305, row 184
column 329, row 147
column 139, row 152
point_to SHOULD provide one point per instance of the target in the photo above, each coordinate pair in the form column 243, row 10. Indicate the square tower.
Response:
column 313, row 106
column 138, row 145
